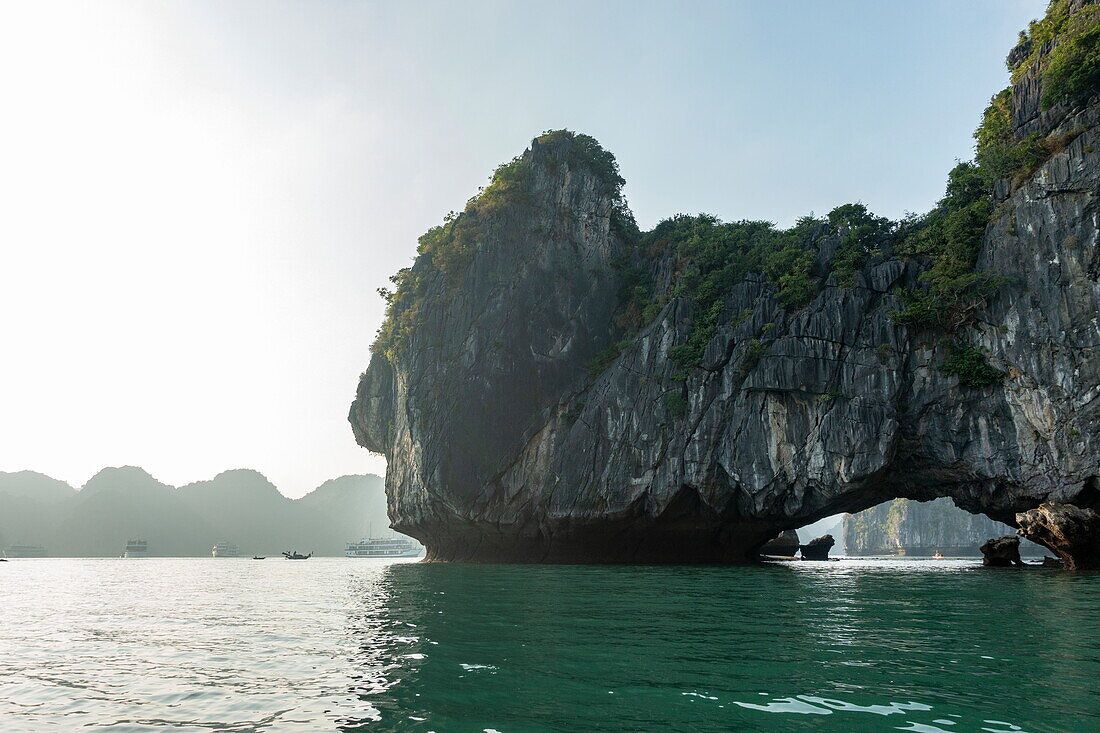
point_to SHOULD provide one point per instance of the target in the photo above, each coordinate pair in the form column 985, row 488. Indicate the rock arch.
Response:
column 503, row 446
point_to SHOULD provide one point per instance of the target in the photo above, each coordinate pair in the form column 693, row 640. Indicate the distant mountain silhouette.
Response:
column 240, row 506
column 120, row 503
column 28, row 503
column 243, row 507
column 33, row 485
column 347, row 508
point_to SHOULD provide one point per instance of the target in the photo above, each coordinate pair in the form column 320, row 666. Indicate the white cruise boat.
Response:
column 225, row 549
column 136, row 548
column 378, row 547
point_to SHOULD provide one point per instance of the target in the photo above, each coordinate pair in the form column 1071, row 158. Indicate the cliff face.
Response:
column 921, row 528
column 501, row 447
column 496, row 358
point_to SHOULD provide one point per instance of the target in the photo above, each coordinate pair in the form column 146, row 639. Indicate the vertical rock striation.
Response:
column 498, row 352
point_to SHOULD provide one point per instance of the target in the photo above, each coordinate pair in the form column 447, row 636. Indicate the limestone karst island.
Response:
column 712, row 366
column 552, row 384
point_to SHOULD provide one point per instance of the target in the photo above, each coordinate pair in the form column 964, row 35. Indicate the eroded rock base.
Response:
column 624, row 542
column 1069, row 531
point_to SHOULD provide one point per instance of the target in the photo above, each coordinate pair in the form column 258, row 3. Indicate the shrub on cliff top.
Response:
column 949, row 238
column 1071, row 70
column 446, row 250
column 1055, row 24
column 585, row 150
column 582, row 150
column 862, row 237
column 712, row 256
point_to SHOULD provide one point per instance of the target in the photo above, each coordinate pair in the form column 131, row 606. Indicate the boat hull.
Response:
column 415, row 552
column 24, row 551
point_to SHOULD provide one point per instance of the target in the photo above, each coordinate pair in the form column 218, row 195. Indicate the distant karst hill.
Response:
column 239, row 506
column 905, row 527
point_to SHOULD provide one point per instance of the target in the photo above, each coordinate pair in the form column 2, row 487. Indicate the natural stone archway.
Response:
column 519, row 425
column 502, row 447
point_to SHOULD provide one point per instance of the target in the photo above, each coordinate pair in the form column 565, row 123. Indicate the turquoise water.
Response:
column 333, row 644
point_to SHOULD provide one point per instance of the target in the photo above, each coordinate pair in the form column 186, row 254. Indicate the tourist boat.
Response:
column 938, row 556
column 225, row 549
column 136, row 548
column 378, row 547
column 25, row 551
column 297, row 556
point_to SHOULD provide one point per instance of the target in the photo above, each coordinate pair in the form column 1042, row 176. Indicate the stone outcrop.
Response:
column 1001, row 552
column 1072, row 532
column 518, row 428
column 785, row 545
column 818, row 549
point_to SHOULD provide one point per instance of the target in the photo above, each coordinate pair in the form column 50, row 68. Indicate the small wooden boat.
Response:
column 296, row 556
column 259, row 557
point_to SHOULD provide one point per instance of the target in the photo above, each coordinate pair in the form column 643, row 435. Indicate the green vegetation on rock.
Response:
column 709, row 256
column 603, row 359
column 676, row 404
column 863, row 237
column 447, row 249
column 712, row 256
column 971, row 367
column 949, row 237
column 1071, row 71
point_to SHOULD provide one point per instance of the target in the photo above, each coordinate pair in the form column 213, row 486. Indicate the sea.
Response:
column 327, row 644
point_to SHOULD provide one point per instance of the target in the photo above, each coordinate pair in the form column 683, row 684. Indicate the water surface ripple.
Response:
column 366, row 645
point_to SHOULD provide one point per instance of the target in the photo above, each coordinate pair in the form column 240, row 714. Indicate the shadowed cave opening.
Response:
column 926, row 523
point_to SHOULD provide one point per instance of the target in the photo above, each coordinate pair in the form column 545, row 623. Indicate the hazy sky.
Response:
column 199, row 199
